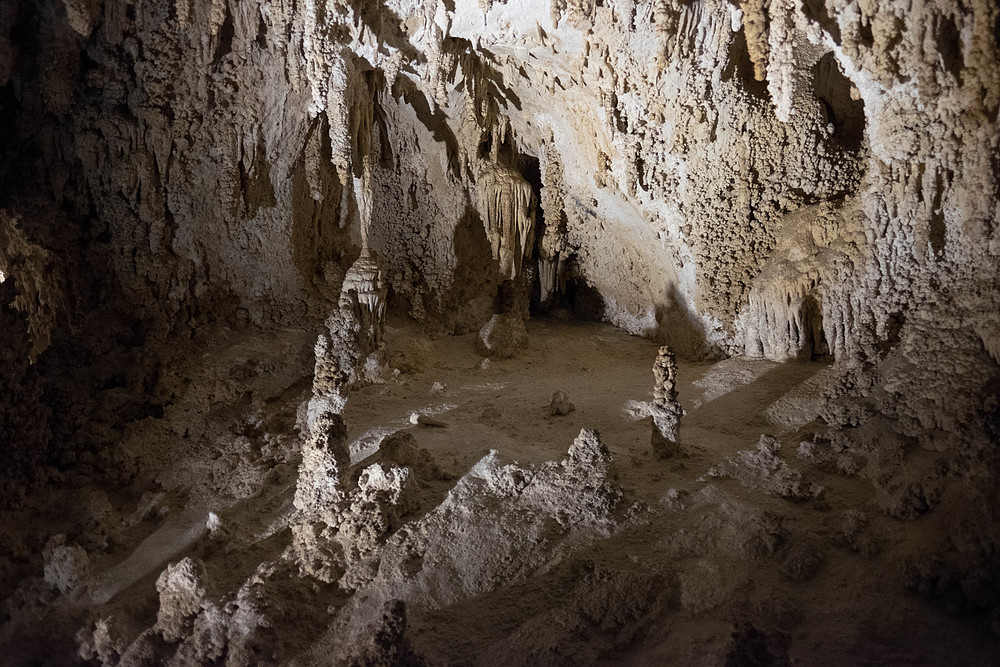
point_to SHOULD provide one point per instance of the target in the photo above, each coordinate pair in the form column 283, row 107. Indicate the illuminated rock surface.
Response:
column 251, row 251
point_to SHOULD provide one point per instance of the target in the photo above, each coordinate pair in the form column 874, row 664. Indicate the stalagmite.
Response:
column 348, row 354
column 666, row 410
column 295, row 296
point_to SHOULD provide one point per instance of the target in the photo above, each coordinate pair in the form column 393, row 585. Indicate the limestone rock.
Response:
column 762, row 468
column 665, row 410
column 385, row 641
column 183, row 590
column 560, row 404
column 400, row 448
column 503, row 336
column 418, row 419
column 65, row 565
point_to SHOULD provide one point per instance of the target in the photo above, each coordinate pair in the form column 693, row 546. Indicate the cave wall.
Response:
column 798, row 180
column 793, row 179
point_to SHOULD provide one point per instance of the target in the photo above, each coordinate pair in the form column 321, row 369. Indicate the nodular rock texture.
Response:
column 665, row 409
column 226, row 224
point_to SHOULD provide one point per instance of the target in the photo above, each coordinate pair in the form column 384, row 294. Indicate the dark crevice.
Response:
column 816, row 348
column 261, row 38
column 936, row 232
column 949, row 43
column 865, row 35
column 255, row 182
column 816, row 11
column 893, row 332
column 226, row 34
column 640, row 174
column 833, row 90
column 739, row 67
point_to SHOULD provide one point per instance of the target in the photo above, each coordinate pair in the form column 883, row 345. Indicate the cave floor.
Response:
column 844, row 616
column 605, row 374
column 246, row 388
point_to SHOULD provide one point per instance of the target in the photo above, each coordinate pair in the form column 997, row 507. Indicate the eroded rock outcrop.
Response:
column 24, row 419
column 762, row 468
column 38, row 279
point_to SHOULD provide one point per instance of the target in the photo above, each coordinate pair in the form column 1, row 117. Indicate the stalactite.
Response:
column 755, row 26
column 781, row 57
column 38, row 279
column 507, row 206
column 339, row 113
column 553, row 248
column 364, row 290
column 785, row 322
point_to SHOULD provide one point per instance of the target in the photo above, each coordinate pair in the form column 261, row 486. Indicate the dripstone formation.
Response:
column 666, row 410
column 325, row 330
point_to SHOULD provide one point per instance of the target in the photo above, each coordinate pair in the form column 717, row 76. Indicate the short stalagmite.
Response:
column 665, row 410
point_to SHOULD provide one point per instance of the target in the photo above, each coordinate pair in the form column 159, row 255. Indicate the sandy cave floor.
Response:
column 838, row 617
column 603, row 371
column 842, row 614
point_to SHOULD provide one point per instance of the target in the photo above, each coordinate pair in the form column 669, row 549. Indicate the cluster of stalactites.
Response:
column 38, row 279
column 506, row 202
column 507, row 205
column 554, row 252
column 364, row 290
column 785, row 321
